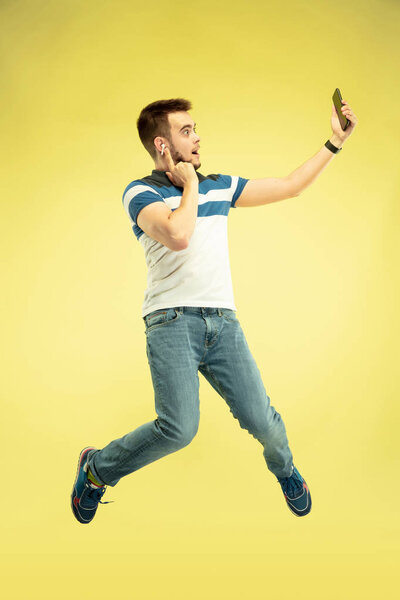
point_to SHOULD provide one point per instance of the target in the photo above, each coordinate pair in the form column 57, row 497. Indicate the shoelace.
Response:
column 291, row 485
column 95, row 495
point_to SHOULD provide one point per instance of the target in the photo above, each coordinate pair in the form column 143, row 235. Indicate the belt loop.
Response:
column 219, row 312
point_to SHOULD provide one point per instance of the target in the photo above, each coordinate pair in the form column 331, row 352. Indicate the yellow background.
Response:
column 316, row 283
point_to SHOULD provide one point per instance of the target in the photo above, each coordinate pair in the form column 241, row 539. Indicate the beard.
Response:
column 177, row 157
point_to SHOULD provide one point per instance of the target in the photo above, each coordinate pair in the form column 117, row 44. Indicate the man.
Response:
column 180, row 218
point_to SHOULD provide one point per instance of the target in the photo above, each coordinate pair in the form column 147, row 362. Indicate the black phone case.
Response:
column 337, row 101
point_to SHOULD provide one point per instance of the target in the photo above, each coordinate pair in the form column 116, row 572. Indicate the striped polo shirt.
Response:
column 200, row 274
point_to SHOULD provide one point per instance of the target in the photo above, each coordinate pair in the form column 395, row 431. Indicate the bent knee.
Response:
column 180, row 436
column 186, row 435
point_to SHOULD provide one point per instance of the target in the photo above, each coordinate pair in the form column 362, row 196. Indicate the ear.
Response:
column 158, row 142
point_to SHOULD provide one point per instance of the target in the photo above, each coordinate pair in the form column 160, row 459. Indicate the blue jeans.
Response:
column 180, row 342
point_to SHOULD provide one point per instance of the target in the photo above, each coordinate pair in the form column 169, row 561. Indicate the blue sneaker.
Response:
column 296, row 493
column 85, row 495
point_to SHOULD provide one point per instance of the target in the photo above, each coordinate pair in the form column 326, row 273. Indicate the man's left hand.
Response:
column 335, row 123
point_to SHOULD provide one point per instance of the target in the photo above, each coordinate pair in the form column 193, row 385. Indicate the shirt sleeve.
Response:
column 238, row 184
column 137, row 197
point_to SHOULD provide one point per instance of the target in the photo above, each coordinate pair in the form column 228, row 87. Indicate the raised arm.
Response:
column 271, row 189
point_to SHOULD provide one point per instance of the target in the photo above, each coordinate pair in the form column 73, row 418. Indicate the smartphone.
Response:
column 337, row 101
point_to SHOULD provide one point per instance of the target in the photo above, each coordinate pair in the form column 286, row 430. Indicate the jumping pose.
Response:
column 180, row 216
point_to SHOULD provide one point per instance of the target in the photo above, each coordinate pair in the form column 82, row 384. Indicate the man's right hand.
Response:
column 181, row 173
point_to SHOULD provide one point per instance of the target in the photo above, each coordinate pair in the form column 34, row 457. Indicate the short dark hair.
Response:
column 153, row 121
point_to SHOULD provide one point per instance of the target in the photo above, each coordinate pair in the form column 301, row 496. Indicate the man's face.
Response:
column 184, row 139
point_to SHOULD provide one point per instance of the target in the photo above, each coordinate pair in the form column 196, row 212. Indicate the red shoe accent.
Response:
column 93, row 483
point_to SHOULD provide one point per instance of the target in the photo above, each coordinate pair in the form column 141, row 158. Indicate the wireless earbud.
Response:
column 162, row 151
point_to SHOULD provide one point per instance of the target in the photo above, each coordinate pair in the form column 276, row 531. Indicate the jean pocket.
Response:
column 158, row 318
column 228, row 314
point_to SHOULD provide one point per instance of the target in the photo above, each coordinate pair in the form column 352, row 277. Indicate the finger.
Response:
column 168, row 158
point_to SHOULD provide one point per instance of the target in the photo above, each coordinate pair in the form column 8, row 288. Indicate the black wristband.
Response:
column 331, row 147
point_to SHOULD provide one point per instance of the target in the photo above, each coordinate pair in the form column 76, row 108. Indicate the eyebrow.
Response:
column 188, row 125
